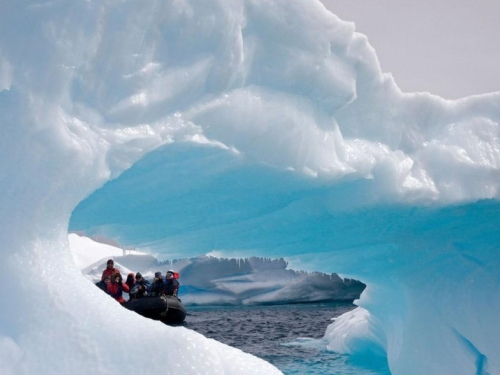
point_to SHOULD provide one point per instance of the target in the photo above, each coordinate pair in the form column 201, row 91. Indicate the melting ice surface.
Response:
column 280, row 137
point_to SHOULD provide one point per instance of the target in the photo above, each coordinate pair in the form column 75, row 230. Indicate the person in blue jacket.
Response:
column 132, row 286
column 103, row 284
column 158, row 286
column 142, row 285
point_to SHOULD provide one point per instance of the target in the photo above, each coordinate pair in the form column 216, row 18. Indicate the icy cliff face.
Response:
column 284, row 139
column 206, row 280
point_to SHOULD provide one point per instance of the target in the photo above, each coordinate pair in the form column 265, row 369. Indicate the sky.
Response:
column 446, row 47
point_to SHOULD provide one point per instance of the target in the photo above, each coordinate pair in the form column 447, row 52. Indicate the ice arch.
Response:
column 88, row 88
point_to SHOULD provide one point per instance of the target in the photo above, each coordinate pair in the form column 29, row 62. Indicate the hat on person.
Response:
column 138, row 275
column 158, row 274
column 110, row 261
column 170, row 271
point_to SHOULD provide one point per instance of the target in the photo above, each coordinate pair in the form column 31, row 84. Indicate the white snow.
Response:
column 85, row 251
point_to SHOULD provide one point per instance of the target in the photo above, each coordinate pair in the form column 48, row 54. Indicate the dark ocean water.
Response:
column 288, row 336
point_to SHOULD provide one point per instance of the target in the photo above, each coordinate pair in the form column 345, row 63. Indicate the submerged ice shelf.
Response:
column 276, row 135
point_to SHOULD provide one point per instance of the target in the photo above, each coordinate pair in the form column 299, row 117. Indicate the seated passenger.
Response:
column 116, row 287
column 110, row 269
column 132, row 286
column 142, row 284
column 158, row 287
column 171, row 283
column 103, row 284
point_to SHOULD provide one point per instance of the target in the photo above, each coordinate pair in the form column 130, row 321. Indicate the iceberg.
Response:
column 207, row 280
column 237, row 129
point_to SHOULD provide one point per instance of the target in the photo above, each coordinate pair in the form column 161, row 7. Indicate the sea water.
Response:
column 288, row 336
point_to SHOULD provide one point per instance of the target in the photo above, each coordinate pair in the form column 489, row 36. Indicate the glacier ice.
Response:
column 280, row 137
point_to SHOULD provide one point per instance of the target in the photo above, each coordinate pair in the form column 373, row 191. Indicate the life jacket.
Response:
column 116, row 289
column 109, row 272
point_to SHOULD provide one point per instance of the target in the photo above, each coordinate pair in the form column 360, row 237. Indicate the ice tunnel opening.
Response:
column 184, row 201
column 209, row 200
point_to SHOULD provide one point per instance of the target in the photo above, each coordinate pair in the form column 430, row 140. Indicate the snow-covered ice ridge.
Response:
column 206, row 280
column 281, row 138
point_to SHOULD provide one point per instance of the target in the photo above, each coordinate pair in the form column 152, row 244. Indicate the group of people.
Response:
column 136, row 285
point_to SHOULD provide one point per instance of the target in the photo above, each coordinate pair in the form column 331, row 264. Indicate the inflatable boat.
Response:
column 167, row 309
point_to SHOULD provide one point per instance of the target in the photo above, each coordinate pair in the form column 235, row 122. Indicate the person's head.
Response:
column 110, row 264
column 138, row 276
column 107, row 279
column 117, row 278
column 130, row 278
column 169, row 274
column 158, row 275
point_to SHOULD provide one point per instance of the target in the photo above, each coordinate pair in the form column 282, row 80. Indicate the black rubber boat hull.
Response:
column 167, row 309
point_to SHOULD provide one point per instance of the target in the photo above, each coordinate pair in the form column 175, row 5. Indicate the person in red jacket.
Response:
column 110, row 269
column 116, row 288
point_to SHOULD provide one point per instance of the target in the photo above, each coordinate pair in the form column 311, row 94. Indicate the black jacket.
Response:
column 157, row 288
column 171, row 287
column 143, row 288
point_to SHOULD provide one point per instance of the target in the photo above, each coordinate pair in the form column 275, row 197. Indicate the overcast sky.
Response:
column 447, row 47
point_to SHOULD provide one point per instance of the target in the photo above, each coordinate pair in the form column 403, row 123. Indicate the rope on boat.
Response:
column 165, row 298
